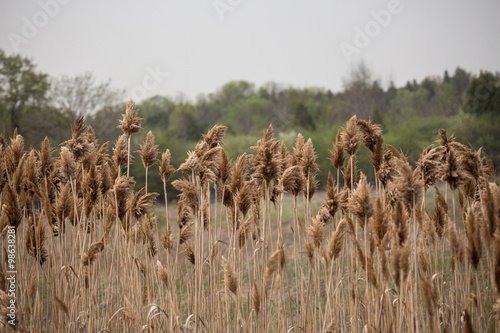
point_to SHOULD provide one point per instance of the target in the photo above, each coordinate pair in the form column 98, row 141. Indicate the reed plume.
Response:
column 360, row 203
column 230, row 276
column 120, row 152
column 166, row 169
column 141, row 203
column 336, row 241
column 429, row 165
column 298, row 150
column 215, row 136
column 90, row 256
column 292, row 180
column 266, row 162
column 380, row 222
column 332, row 198
column 474, row 246
column 440, row 212
column 452, row 174
column 370, row 133
column 79, row 144
column 351, row 172
column 163, row 274
column 149, row 151
column 130, row 124
column 350, row 137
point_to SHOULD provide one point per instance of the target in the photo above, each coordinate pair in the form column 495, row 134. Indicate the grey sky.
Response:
column 290, row 42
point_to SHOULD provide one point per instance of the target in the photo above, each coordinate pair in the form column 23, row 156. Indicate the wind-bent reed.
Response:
column 244, row 255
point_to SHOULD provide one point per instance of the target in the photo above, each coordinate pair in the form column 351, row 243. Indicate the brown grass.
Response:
column 94, row 255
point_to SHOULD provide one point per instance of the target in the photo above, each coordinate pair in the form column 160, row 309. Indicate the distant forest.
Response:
column 464, row 103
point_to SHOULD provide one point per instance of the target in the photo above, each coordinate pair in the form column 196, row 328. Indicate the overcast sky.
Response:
column 203, row 44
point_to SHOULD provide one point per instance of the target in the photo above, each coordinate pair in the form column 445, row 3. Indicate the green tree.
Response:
column 301, row 116
column 233, row 91
column 156, row 111
column 22, row 90
column 461, row 80
column 483, row 94
column 185, row 122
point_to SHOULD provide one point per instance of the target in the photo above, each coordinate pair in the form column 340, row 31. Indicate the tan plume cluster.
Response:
column 131, row 123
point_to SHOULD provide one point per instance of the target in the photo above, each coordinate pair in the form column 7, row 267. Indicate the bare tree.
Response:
column 365, row 95
column 81, row 95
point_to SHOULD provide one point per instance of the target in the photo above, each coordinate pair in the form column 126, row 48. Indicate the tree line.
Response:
column 464, row 103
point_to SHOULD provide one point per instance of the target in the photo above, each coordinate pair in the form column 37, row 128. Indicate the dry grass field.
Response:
column 250, row 245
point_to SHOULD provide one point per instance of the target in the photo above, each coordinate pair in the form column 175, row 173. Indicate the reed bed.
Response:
column 416, row 251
